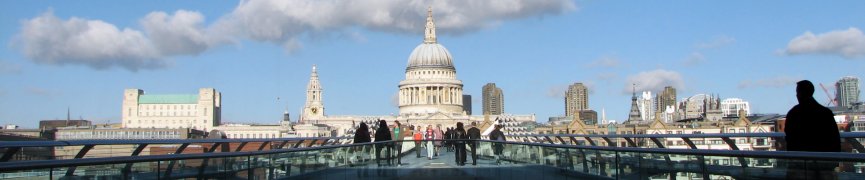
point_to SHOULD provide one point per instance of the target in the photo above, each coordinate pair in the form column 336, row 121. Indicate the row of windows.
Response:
column 120, row 135
column 251, row 135
column 164, row 113
column 175, row 121
column 446, row 74
column 168, row 106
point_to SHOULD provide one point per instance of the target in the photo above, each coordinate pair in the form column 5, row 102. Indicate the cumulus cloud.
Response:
column 695, row 58
column 849, row 43
column 716, row 42
column 284, row 22
column 47, row 39
column 180, row 34
column 772, row 82
column 654, row 80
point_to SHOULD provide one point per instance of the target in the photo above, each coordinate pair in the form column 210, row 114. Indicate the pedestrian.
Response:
column 439, row 136
column 382, row 135
column 418, row 137
column 429, row 136
column 474, row 134
column 361, row 135
column 811, row 127
column 448, row 135
column 498, row 136
column 460, row 145
column 398, row 138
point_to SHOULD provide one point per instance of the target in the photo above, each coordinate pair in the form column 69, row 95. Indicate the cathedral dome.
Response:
column 430, row 55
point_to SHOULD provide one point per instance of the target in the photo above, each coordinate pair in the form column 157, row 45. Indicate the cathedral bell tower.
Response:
column 314, row 108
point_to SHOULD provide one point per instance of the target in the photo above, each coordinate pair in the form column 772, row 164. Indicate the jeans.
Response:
column 430, row 149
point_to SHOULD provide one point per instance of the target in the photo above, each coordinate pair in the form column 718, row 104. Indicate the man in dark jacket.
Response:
column 448, row 136
column 475, row 134
column 382, row 134
column 460, row 146
column 811, row 127
column 498, row 135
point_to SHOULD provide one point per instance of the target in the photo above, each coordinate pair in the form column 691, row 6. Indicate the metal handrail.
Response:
column 41, row 164
column 702, row 135
column 15, row 144
column 833, row 156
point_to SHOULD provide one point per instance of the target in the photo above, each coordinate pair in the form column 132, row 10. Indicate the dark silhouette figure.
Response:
column 459, row 134
column 361, row 135
column 448, row 136
column 810, row 127
column 474, row 133
column 382, row 134
column 498, row 135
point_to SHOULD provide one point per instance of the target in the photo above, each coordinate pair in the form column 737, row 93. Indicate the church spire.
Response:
column 430, row 30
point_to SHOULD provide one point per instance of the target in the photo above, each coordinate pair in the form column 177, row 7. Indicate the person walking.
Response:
column 448, row 136
column 474, row 134
column 361, row 135
column 498, row 135
column 382, row 135
column 811, row 127
column 439, row 136
column 460, row 145
column 418, row 137
column 429, row 136
column 398, row 138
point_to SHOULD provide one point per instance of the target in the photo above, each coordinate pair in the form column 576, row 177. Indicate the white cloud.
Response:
column 606, row 61
column 654, row 80
column 772, row 82
column 284, row 22
column 695, row 58
column 180, row 34
column 717, row 42
column 848, row 43
column 47, row 39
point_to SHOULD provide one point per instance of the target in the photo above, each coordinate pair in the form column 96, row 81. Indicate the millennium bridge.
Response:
column 545, row 156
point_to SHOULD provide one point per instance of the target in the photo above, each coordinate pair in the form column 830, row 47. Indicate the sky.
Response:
column 81, row 55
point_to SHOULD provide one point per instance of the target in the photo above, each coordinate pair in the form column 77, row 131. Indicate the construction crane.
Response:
column 831, row 99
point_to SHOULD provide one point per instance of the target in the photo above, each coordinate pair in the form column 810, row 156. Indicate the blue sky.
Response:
column 82, row 55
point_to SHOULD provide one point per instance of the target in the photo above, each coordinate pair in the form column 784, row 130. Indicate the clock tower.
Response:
column 314, row 108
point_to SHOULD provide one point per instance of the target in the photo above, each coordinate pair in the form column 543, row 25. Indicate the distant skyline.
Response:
column 259, row 54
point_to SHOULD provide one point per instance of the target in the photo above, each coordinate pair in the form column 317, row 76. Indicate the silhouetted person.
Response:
column 459, row 145
column 810, row 127
column 498, row 135
column 475, row 134
column 361, row 135
column 382, row 134
column 448, row 136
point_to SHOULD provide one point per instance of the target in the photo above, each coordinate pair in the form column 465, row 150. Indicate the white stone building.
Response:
column 430, row 94
column 200, row 111
column 731, row 106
